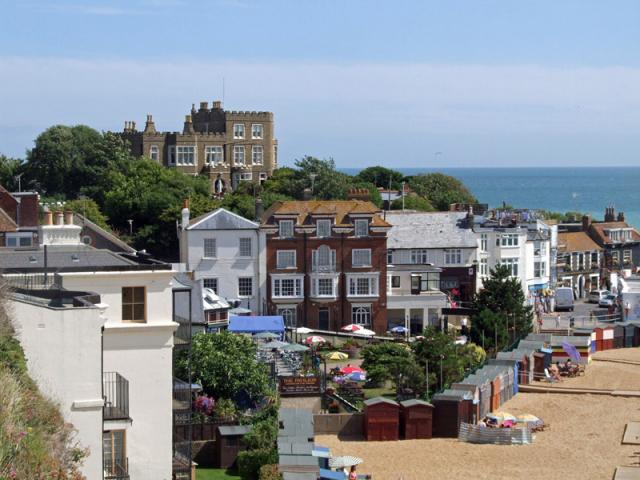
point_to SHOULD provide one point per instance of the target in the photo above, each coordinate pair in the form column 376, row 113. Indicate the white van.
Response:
column 564, row 299
column 596, row 295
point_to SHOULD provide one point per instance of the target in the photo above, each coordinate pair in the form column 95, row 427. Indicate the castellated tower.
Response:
column 228, row 146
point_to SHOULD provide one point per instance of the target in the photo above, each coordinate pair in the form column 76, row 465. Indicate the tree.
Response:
column 394, row 362
column 501, row 307
column 412, row 202
column 89, row 209
column 381, row 177
column 440, row 350
column 327, row 182
column 441, row 190
column 9, row 168
column 225, row 365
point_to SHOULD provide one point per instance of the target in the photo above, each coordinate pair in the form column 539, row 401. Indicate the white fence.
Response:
column 496, row 436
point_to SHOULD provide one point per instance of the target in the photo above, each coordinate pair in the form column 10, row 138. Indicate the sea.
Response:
column 562, row 189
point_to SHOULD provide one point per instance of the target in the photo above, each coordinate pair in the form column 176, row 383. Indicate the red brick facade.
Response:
column 330, row 312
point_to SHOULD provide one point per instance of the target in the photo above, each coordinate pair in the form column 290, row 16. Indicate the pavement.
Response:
column 584, row 314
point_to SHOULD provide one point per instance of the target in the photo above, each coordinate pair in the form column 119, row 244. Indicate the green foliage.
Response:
column 502, row 310
column 225, row 409
column 562, row 217
column 441, row 190
column 269, row 472
column 381, row 177
column 250, row 462
column 89, row 209
column 262, row 435
column 242, row 204
column 412, row 202
column 329, row 184
column 374, row 193
column 439, row 348
column 9, row 168
column 394, row 362
column 226, row 367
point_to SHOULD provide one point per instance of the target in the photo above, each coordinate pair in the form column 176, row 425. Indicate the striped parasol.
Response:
column 345, row 461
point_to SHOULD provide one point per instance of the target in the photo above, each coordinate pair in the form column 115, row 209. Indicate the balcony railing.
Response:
column 183, row 332
column 116, row 469
column 116, row 397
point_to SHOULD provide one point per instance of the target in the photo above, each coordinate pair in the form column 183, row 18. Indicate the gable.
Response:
column 221, row 219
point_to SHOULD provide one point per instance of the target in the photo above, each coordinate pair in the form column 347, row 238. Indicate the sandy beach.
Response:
column 583, row 441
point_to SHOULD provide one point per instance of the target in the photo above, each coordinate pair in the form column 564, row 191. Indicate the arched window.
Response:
column 323, row 259
column 288, row 315
column 361, row 315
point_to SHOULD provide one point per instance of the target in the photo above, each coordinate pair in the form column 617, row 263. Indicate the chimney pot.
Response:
column 586, row 222
column 59, row 218
column 217, row 104
column 48, row 217
column 68, row 217
column 204, row 106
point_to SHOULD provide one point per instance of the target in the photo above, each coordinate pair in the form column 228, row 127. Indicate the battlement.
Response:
column 247, row 115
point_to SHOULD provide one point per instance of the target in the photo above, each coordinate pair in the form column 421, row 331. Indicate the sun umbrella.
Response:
column 366, row 332
column 337, row 356
column 351, row 328
column 314, row 339
column 348, row 370
column 344, row 461
column 357, row 376
column 273, row 344
column 295, row 347
column 502, row 416
column 266, row 335
column 303, row 330
column 399, row 329
column 572, row 351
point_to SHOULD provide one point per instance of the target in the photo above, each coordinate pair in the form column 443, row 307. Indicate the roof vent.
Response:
column 75, row 257
column 33, row 259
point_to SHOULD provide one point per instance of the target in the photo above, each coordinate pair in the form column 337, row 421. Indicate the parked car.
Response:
column 608, row 301
column 564, row 299
column 596, row 295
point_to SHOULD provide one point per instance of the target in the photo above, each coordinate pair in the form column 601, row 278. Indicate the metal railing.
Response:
column 116, row 396
column 181, row 394
column 33, row 281
column 117, row 469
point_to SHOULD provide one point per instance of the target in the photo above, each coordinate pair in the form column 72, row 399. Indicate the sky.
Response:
column 484, row 82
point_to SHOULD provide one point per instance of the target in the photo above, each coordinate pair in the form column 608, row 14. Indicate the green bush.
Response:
column 270, row 472
column 250, row 461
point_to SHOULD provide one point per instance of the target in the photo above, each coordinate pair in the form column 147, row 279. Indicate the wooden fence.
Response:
column 199, row 430
column 497, row 436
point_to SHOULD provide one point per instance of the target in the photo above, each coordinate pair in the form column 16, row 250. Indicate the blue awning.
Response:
column 256, row 324
column 331, row 475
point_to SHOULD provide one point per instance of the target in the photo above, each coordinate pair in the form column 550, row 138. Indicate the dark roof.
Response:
column 110, row 241
column 221, row 219
column 226, row 430
column 377, row 400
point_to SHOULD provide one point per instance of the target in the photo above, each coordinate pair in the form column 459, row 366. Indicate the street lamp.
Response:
column 130, row 221
column 313, row 179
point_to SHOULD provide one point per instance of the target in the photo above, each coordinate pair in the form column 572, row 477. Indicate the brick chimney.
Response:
column 621, row 217
column 149, row 126
column 204, row 107
column 609, row 214
column 216, row 105
column 306, row 194
column 188, row 125
column 586, row 223
column 358, row 194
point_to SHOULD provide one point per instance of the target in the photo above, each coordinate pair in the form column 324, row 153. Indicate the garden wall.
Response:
column 347, row 424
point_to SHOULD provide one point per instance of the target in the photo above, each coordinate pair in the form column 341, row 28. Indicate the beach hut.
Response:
column 608, row 338
column 416, row 419
column 513, row 365
column 598, row 331
column 450, row 408
column 618, row 336
column 381, row 419
column 636, row 334
column 496, row 386
column 538, row 365
column 480, row 385
column 582, row 344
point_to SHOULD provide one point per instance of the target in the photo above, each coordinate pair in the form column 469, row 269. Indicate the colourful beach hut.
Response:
column 451, row 407
column 381, row 419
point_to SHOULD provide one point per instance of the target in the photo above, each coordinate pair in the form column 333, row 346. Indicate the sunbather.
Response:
column 555, row 372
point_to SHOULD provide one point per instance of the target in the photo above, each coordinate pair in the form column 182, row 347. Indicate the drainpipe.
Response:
column 304, row 279
column 259, row 273
column 344, row 278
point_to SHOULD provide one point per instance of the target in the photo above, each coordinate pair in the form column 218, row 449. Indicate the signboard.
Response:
column 299, row 385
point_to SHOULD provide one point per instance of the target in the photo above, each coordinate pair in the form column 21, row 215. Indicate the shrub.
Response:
column 270, row 472
column 250, row 461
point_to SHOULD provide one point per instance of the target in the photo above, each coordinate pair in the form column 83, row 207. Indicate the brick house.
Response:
column 18, row 218
column 228, row 146
column 326, row 263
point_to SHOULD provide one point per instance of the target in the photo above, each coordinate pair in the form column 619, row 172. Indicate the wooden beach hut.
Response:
column 618, row 336
column 514, row 365
column 416, row 419
column 608, row 338
column 477, row 383
column 381, row 419
column 450, row 408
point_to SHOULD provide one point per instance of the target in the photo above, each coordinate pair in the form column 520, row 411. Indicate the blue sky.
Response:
column 487, row 83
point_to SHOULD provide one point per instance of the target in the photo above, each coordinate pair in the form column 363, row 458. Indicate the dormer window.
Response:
column 323, row 228
column 285, row 228
column 361, row 227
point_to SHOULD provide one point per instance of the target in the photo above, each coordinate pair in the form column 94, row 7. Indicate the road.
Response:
column 584, row 314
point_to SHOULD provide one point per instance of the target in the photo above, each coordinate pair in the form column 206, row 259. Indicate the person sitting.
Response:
column 555, row 371
column 352, row 474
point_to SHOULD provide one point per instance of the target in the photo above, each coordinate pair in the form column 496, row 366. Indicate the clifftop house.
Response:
column 228, row 146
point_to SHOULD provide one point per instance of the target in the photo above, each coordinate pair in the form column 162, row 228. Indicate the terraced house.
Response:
column 326, row 263
column 228, row 146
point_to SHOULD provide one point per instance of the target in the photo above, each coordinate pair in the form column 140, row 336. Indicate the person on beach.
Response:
column 352, row 474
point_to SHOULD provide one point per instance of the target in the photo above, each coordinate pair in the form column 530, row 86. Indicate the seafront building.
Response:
column 228, row 146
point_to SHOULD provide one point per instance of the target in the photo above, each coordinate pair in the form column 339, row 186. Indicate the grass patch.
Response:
column 379, row 392
column 215, row 474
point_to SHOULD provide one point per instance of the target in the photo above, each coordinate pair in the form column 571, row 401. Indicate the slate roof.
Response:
column 597, row 230
column 340, row 209
column 377, row 400
column 234, row 429
column 429, row 230
column 108, row 237
column 221, row 219
column 576, row 242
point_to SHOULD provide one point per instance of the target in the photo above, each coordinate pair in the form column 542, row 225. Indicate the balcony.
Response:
column 116, row 397
column 182, row 336
column 116, row 469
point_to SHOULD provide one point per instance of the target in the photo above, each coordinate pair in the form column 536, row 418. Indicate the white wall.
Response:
column 228, row 266
column 435, row 256
column 64, row 357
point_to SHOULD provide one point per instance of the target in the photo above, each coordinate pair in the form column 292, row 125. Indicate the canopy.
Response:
column 266, row 335
column 256, row 324
column 295, row 347
column 365, row 331
column 572, row 351
column 303, row 330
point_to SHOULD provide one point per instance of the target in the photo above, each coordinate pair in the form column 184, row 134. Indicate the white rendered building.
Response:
column 227, row 254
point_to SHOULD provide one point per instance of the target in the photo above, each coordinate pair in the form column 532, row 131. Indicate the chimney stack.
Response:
column 621, row 216
column 470, row 216
column 188, row 125
column 259, row 209
column 306, row 194
column 149, row 126
column 216, row 105
column 586, row 223
column 358, row 194
column 204, row 107
column 68, row 217
column 59, row 218
column 185, row 214
column 609, row 214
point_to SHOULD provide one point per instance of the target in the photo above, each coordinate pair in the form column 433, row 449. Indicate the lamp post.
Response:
column 441, row 378
column 130, row 221
column 427, row 371
column 313, row 180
